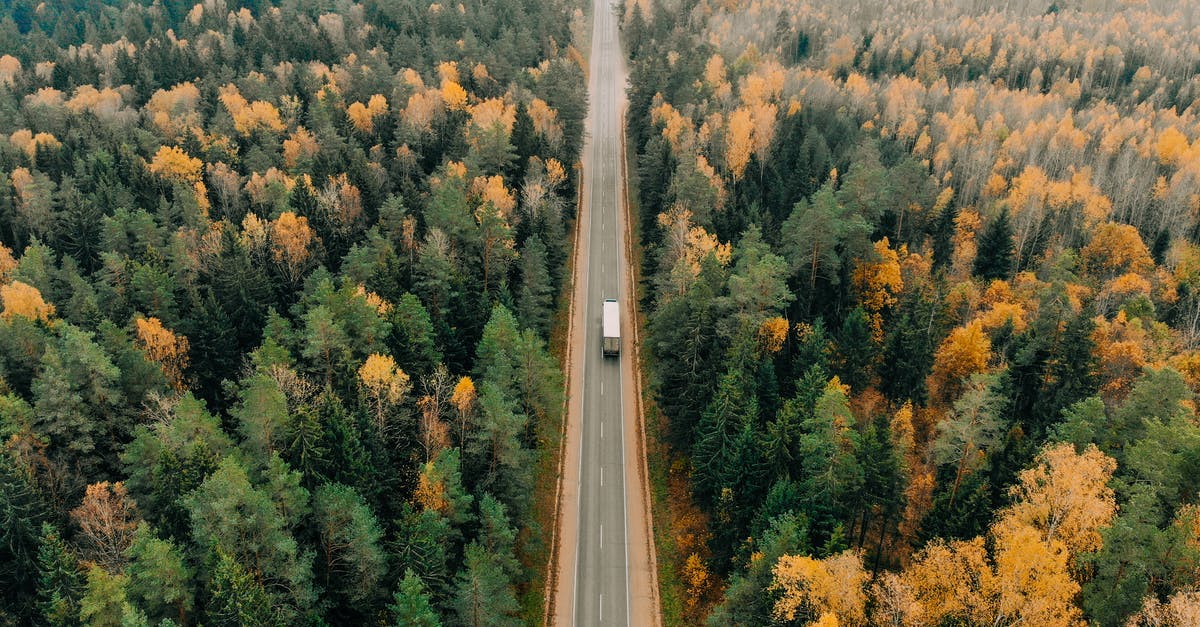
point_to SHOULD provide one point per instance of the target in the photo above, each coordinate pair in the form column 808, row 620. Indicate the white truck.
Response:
column 612, row 328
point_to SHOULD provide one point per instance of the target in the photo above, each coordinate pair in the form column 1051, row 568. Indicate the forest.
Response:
column 921, row 282
column 277, row 286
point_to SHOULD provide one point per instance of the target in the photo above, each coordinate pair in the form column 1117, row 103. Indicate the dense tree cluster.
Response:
column 939, row 259
column 276, row 282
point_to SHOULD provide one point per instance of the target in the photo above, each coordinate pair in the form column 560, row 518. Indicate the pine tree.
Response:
column 422, row 541
column 412, row 340
column 733, row 407
column 349, row 551
column 104, row 603
column 159, row 579
column 485, row 596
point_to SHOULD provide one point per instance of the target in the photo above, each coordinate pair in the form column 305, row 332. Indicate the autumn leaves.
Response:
column 1021, row 573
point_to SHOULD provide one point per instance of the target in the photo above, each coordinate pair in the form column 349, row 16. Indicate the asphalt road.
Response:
column 602, row 564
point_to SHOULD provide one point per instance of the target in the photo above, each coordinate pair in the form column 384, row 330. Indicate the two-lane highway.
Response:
column 604, row 574
column 602, row 555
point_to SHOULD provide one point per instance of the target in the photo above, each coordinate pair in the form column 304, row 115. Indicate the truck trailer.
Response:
column 611, row 341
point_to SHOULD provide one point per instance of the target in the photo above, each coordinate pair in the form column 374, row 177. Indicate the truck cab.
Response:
column 611, row 338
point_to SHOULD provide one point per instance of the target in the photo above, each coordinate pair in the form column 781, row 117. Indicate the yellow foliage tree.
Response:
column 162, row 346
column 7, row 262
column 492, row 189
column 1027, row 583
column 10, row 68
column 107, row 520
column 1171, row 145
column 26, row 141
column 878, row 281
column 813, row 588
column 300, row 146
column 430, row 492
column 174, row 110
column 696, row 578
column 771, row 334
column 739, row 141
column 1116, row 249
column 1066, row 497
column 685, row 246
column 291, row 237
column 175, row 165
column 964, row 352
column 22, row 299
column 463, row 400
column 1182, row 609
column 545, row 121
column 454, row 95
column 385, row 384
column 363, row 116
column 249, row 117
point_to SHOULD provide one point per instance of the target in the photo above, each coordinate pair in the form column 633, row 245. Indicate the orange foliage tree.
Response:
column 107, row 520
column 169, row 350
column 22, row 299
column 292, row 238
column 878, row 281
column 964, row 352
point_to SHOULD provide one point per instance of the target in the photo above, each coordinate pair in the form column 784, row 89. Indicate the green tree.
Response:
column 412, row 341
column 159, row 580
column 497, row 536
column 169, row 459
column 828, row 450
column 535, row 294
column 485, row 595
column 1140, row 556
column 21, row 514
column 59, row 583
column 262, row 417
column 306, row 451
column 76, row 398
column 747, row 600
column 232, row 516
column 717, row 433
column 422, row 541
column 495, row 456
column 104, row 603
column 326, row 344
column 350, row 555
column 237, row 597
column 974, row 426
column 758, row 283
column 857, row 352
column 818, row 234
column 994, row 257
column 410, row 606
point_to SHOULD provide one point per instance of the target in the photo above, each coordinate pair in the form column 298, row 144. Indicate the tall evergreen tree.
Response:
column 410, row 606
column 994, row 256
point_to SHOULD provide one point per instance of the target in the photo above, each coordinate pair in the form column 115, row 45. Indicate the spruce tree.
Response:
column 410, row 606
column 994, row 258
column 59, row 583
